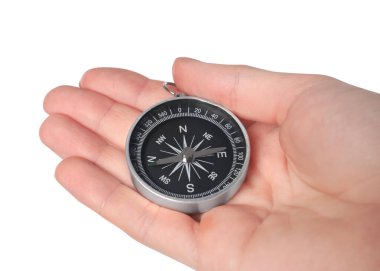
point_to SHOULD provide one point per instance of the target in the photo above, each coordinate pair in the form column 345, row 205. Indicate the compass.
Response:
column 187, row 154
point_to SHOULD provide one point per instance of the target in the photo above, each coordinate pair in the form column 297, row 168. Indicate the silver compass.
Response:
column 187, row 153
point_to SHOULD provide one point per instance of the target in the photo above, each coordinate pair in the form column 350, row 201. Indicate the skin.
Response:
column 311, row 197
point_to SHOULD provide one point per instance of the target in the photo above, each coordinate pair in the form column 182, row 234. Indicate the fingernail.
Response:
column 189, row 58
column 183, row 59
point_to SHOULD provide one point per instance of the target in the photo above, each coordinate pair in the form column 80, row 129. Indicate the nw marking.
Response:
column 161, row 139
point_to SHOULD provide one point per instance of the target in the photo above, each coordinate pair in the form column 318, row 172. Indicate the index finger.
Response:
column 125, row 87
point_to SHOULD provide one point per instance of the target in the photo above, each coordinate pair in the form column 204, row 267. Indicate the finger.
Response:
column 68, row 138
column 125, row 87
column 104, row 116
column 167, row 231
column 252, row 93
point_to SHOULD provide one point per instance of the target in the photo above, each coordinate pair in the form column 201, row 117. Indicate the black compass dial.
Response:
column 187, row 148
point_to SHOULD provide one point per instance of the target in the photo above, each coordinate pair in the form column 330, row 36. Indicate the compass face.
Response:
column 187, row 149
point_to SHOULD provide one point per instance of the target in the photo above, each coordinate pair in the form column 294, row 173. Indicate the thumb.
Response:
column 251, row 93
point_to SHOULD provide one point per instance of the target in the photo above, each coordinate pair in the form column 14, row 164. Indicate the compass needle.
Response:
column 167, row 160
column 207, row 151
column 187, row 154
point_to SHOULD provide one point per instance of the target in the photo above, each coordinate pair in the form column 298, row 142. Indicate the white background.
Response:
column 47, row 43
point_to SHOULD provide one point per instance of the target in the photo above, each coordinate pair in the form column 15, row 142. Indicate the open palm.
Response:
column 311, row 197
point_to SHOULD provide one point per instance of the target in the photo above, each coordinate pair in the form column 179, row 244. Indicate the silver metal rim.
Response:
column 198, row 205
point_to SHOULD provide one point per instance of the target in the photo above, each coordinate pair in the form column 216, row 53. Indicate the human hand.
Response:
column 311, row 197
